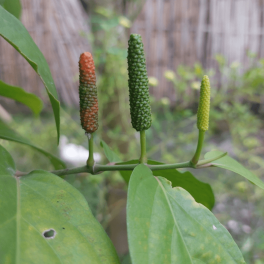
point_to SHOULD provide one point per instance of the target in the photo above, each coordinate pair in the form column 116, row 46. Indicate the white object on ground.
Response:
column 75, row 154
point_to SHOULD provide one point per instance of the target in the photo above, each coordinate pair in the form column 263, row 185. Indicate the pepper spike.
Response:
column 140, row 110
column 88, row 93
column 204, row 105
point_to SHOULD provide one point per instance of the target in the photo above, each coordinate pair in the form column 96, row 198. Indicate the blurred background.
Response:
column 183, row 40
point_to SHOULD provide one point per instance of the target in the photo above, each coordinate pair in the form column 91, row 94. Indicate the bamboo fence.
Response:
column 182, row 32
column 60, row 30
column 175, row 32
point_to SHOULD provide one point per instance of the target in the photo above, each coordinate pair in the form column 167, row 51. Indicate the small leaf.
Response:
column 166, row 225
column 18, row 94
column 46, row 220
column 9, row 134
column 13, row 31
column 230, row 164
column 12, row 6
column 200, row 191
column 110, row 155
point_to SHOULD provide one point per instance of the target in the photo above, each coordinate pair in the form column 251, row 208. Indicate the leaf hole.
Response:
column 49, row 234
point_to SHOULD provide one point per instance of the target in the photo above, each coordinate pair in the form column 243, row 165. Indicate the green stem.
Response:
column 186, row 164
column 198, row 151
column 90, row 161
column 100, row 168
column 72, row 171
column 143, row 156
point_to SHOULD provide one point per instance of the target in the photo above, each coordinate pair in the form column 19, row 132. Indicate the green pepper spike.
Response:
column 140, row 110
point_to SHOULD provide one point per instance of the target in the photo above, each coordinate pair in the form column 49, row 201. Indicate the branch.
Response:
column 98, row 168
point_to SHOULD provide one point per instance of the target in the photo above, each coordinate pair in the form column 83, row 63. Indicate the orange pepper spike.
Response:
column 88, row 93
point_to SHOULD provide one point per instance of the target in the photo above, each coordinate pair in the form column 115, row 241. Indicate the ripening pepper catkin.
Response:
column 140, row 110
column 204, row 105
column 88, row 93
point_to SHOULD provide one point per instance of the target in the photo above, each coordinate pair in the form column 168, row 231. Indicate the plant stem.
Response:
column 143, row 156
column 186, row 164
column 72, row 171
column 90, row 161
column 100, row 168
column 197, row 154
column 93, row 168
column 97, row 168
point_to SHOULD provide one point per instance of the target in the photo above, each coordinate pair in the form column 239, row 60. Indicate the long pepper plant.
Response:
column 43, row 219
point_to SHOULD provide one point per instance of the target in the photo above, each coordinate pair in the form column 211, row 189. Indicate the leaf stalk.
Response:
column 143, row 156
column 199, row 147
column 90, row 161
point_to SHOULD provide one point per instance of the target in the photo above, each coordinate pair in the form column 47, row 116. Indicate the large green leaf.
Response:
column 9, row 134
column 18, row 94
column 200, row 191
column 230, row 164
column 110, row 155
column 13, row 31
column 166, row 225
column 38, row 202
column 12, row 6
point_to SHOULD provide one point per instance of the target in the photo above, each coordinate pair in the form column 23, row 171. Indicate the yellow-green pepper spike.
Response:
column 204, row 105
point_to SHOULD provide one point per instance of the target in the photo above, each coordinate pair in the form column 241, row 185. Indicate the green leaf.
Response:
column 110, row 155
column 42, row 203
column 166, row 225
column 230, row 164
column 9, row 134
column 200, row 191
column 13, row 31
column 12, row 6
column 7, row 164
column 18, row 94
